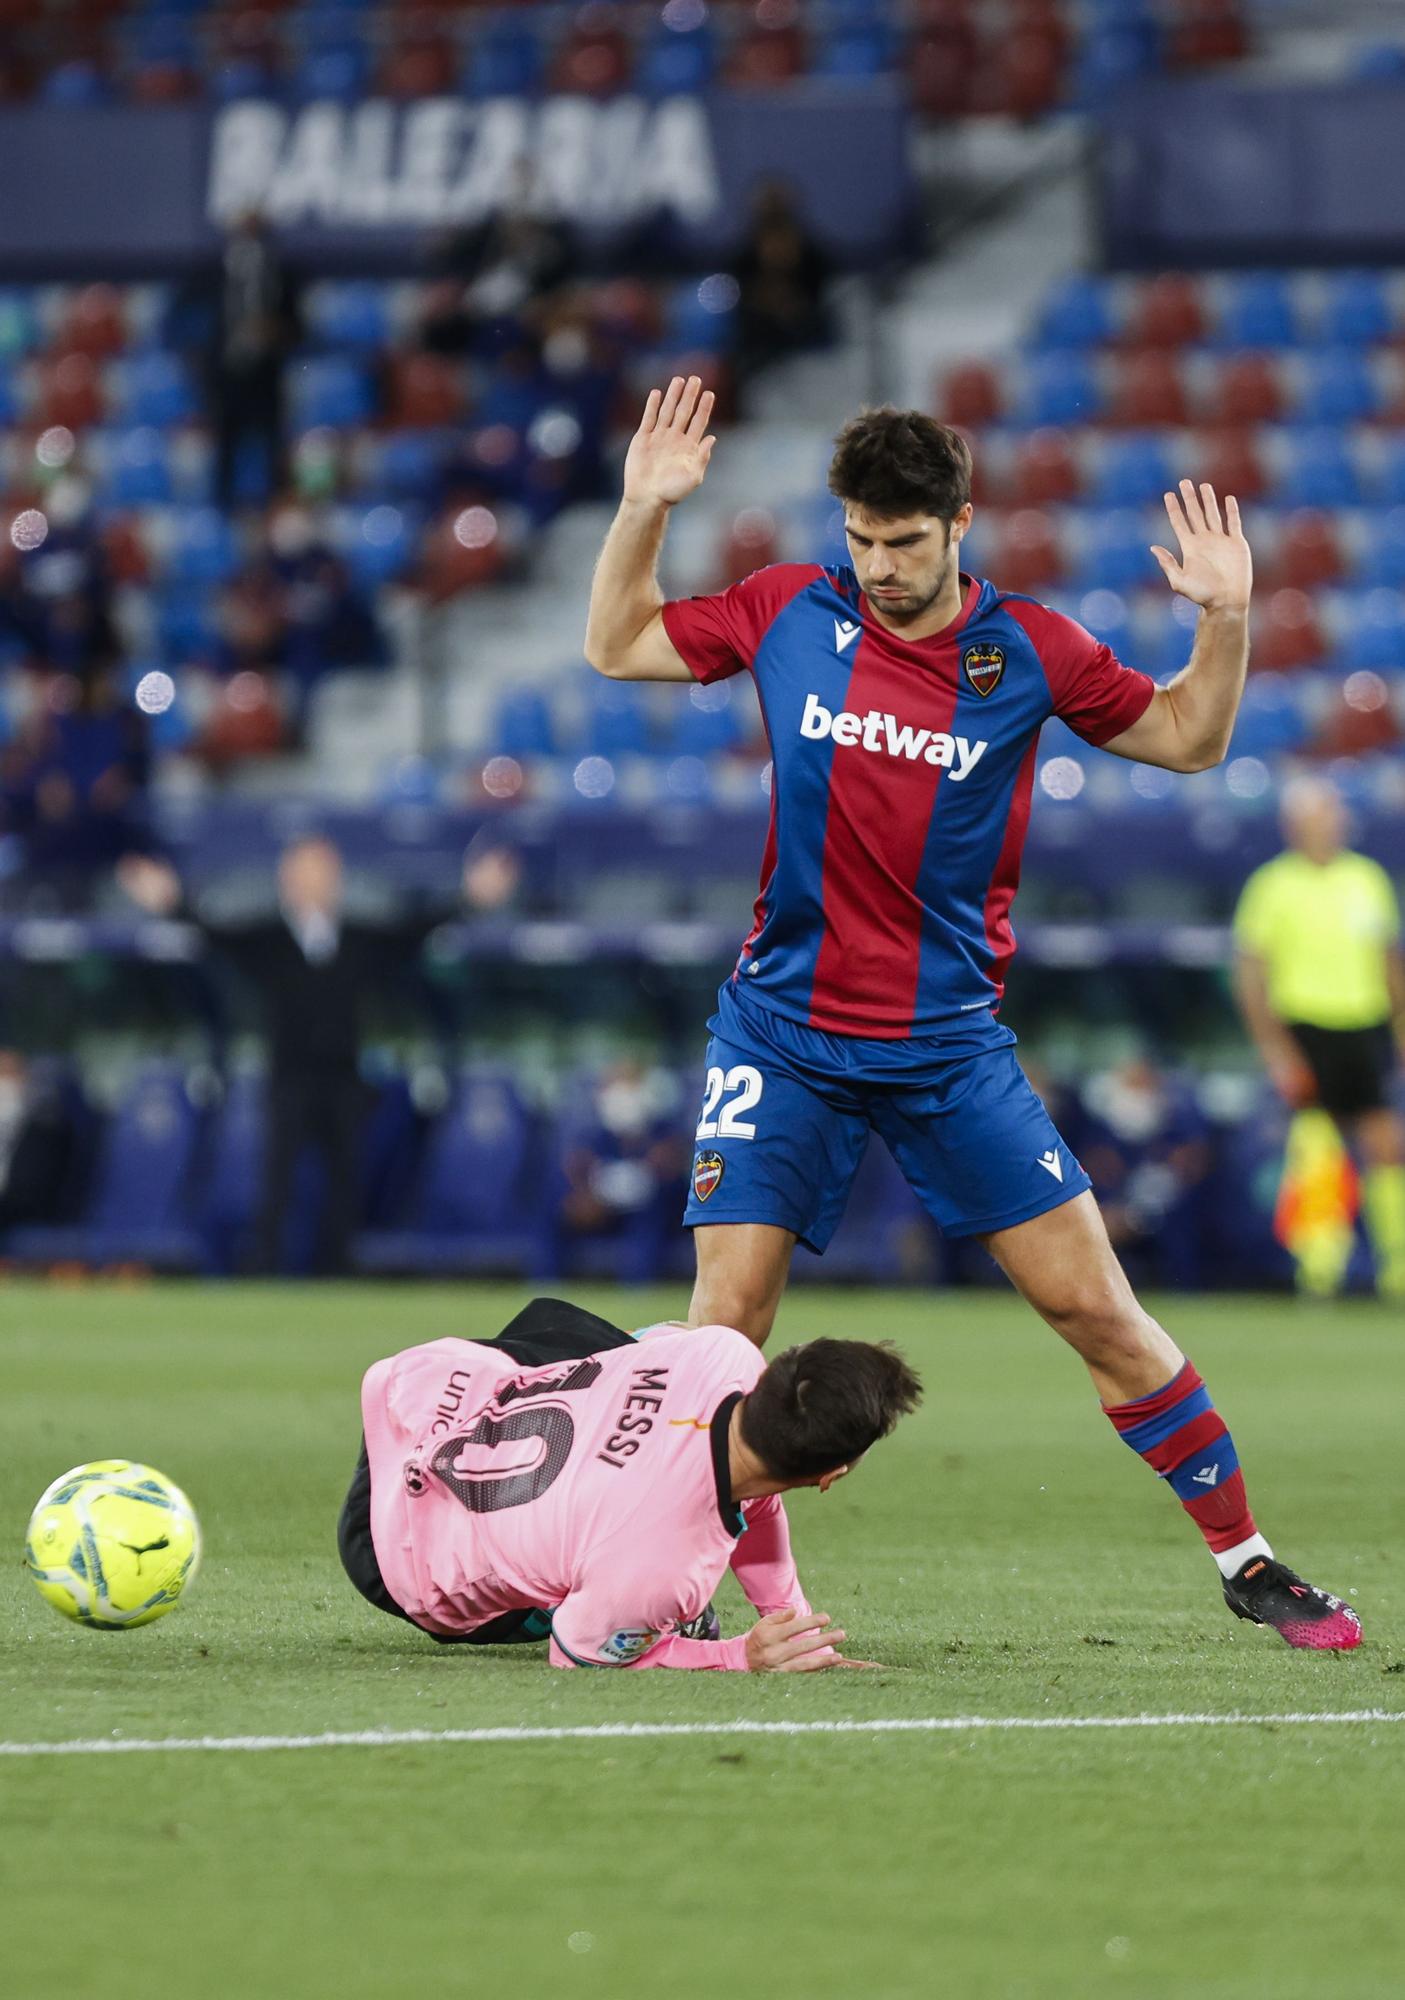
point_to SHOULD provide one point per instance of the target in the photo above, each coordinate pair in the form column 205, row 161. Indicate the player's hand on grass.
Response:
column 1216, row 569
column 668, row 454
column 792, row 1642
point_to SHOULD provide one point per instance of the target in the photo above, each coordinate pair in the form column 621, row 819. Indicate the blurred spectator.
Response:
column 72, row 790
column 782, row 273
column 1146, row 1145
column 496, row 271
column 253, row 329
column 1320, row 979
column 624, row 1169
column 55, row 589
column 312, row 970
column 36, row 1144
column 295, row 610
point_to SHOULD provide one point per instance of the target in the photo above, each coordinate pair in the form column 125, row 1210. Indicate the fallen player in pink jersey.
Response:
column 570, row 1469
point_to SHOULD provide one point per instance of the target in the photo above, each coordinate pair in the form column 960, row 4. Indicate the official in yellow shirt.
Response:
column 1320, row 979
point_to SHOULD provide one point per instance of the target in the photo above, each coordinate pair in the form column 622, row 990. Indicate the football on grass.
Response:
column 112, row 1544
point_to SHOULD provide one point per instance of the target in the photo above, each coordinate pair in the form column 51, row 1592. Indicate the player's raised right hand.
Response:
column 792, row 1642
column 669, row 452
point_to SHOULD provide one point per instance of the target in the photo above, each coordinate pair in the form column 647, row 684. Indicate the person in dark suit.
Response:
column 37, row 1143
column 312, row 970
column 254, row 328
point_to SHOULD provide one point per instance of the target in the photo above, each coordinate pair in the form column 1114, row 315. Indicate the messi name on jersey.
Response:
column 887, row 737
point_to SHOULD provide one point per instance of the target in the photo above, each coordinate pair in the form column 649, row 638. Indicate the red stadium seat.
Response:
column 423, row 392
column 970, row 395
column 1028, row 554
column 163, row 83
column 1231, row 463
column 628, row 309
column 750, row 543
column 71, row 392
column 1167, row 311
column 1209, row 31
column 1248, row 391
column 772, row 50
column 1309, row 552
column 940, row 69
column 1147, row 392
column 246, row 721
column 422, row 62
column 1359, row 720
column 124, row 551
column 94, row 323
column 1046, row 470
column 1022, row 76
column 595, row 59
column 1288, row 634
column 463, row 551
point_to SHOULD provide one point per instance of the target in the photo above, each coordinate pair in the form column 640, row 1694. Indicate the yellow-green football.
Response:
column 112, row 1544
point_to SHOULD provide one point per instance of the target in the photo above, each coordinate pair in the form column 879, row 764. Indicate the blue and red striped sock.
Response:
column 1184, row 1439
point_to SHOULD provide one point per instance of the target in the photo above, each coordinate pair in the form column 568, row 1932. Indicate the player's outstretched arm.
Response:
column 1188, row 725
column 667, row 460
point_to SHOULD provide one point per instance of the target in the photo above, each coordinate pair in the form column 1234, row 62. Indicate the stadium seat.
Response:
column 616, row 720
column 1167, row 311
column 409, row 465
column 140, row 1208
column 1029, row 556
column 337, row 74
column 204, row 549
column 1061, row 388
column 594, row 59
column 155, row 389
column 94, row 322
column 1319, row 470
column 1132, row 471
column 377, row 544
column 1309, row 551
column 1045, row 470
column 1148, row 391
column 423, row 391
column 1077, row 314
column 751, row 542
column 1376, row 635
column 71, row 392
column 1392, row 471
column 674, row 63
column 1271, row 720
column 1231, row 462
column 1022, row 75
column 1115, row 553
column 523, row 726
column 969, row 395
column 762, row 57
column 504, row 60
column 331, row 390
column 246, row 721
column 353, row 315
column 1257, row 311
column 471, row 1208
column 1359, row 720
column 855, row 52
column 1338, row 388
column 19, row 324
column 1384, row 564
column 1246, row 390
column 939, row 66
column 1207, row 32
column 1289, row 634
column 1357, row 310
column 421, row 62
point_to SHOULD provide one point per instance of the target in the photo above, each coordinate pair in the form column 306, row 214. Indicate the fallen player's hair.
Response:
column 821, row 1406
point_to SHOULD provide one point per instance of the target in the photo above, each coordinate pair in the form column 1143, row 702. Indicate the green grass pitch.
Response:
column 1003, row 1556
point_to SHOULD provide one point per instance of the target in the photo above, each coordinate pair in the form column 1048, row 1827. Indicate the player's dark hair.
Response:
column 894, row 463
column 821, row 1406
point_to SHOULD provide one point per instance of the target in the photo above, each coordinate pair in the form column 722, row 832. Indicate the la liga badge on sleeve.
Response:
column 983, row 667
column 707, row 1172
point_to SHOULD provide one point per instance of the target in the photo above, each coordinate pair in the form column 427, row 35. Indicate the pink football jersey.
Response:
column 598, row 1489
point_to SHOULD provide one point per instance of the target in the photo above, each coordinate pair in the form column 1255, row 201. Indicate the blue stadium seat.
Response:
column 1113, row 55
column 617, row 721
column 859, row 52
column 676, row 64
column 1258, row 311
column 139, row 1210
column 75, row 86
column 155, row 389
column 1134, row 471
column 1115, row 556
column 1338, row 388
column 1107, row 617
column 699, row 316
column 1320, row 471
column 9, row 397
column 409, row 464
column 1384, row 563
column 184, row 628
column 707, row 722
column 353, row 315
column 523, row 726
column 1392, row 471
column 339, row 73
column 1376, row 635
column 504, row 61
column 139, row 468
column 20, row 331
column 330, row 390
column 472, row 1206
column 1077, row 313
column 1357, row 310
column 1061, row 389
column 232, row 82
column 378, row 545
column 204, row 549
column 1272, row 719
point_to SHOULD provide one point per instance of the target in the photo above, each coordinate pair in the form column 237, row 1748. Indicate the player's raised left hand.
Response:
column 1216, row 569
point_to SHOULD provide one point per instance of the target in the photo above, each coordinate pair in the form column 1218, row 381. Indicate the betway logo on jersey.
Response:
column 886, row 736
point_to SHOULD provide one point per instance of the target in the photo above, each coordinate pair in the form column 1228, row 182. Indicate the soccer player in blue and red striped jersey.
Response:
column 903, row 701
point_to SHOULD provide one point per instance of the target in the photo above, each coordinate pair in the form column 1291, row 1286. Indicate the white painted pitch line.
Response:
column 604, row 1732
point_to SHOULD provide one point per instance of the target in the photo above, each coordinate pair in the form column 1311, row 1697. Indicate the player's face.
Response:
column 904, row 565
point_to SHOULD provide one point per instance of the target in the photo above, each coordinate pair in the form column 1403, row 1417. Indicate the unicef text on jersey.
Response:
column 884, row 735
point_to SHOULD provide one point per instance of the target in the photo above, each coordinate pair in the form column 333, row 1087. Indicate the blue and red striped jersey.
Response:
column 902, row 773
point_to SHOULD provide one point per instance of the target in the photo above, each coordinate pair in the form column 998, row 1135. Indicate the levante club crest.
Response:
column 707, row 1172
column 983, row 667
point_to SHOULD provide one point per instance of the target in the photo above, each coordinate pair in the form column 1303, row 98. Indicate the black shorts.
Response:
column 1351, row 1066
column 547, row 1330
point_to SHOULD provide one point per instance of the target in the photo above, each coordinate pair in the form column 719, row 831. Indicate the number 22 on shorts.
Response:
column 724, row 1120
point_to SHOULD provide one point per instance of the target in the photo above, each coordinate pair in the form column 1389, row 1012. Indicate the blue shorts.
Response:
column 787, row 1112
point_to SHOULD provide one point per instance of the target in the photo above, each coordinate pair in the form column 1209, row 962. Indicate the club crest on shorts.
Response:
column 984, row 667
column 707, row 1173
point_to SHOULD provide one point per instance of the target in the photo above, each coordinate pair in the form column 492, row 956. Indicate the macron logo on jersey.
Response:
column 884, row 735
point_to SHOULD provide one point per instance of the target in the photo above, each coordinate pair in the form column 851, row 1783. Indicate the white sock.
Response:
column 1231, row 1561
